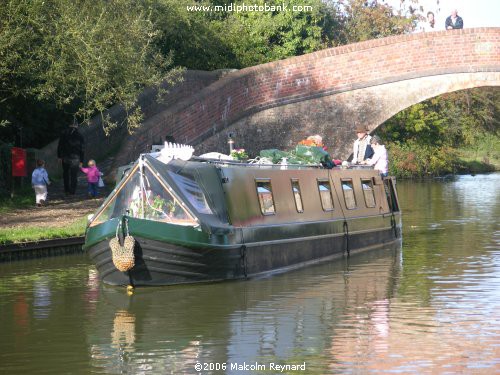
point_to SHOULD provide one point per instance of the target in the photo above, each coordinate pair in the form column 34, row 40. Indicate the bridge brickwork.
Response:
column 328, row 92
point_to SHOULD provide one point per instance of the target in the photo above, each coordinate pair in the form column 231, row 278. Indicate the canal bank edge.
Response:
column 42, row 248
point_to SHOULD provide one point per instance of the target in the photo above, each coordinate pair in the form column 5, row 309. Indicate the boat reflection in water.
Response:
column 290, row 318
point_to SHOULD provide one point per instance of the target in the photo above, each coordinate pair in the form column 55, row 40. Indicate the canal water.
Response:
column 431, row 307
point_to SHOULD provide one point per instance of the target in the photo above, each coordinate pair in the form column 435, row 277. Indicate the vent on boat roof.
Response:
column 174, row 151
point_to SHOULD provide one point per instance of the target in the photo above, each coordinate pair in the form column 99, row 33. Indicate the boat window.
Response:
column 148, row 199
column 368, row 192
column 297, row 195
column 325, row 194
column 192, row 191
column 349, row 198
column 265, row 194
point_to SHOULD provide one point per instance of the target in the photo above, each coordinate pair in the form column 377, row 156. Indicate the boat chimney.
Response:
column 230, row 142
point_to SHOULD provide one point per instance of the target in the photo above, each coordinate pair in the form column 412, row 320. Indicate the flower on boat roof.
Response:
column 239, row 154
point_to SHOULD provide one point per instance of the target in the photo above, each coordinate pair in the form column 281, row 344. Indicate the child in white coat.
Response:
column 39, row 182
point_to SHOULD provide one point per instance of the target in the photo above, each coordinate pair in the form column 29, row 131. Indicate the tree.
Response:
column 258, row 37
column 192, row 38
column 424, row 138
column 363, row 20
column 81, row 56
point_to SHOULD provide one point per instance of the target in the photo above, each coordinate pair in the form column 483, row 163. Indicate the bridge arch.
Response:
column 329, row 92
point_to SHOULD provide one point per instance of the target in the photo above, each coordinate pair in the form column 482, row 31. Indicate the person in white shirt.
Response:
column 379, row 160
column 361, row 149
column 430, row 24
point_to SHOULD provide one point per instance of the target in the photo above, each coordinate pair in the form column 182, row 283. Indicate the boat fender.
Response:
column 123, row 255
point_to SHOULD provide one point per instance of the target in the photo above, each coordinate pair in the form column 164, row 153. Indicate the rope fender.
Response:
column 123, row 255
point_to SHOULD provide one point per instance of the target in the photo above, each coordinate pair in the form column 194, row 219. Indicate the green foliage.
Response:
column 239, row 154
column 422, row 138
column 481, row 156
column 5, row 168
column 23, row 197
column 259, row 37
column 300, row 155
column 225, row 38
column 423, row 123
column 363, row 20
column 83, row 56
column 190, row 38
column 414, row 160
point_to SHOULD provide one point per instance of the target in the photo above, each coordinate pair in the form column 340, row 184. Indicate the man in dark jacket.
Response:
column 454, row 21
column 70, row 152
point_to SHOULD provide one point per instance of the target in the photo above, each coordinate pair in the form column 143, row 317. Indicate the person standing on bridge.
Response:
column 430, row 24
column 361, row 148
column 454, row 21
column 70, row 152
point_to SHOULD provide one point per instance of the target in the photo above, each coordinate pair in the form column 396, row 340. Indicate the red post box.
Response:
column 18, row 162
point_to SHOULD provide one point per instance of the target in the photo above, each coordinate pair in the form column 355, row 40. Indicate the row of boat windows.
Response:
column 266, row 199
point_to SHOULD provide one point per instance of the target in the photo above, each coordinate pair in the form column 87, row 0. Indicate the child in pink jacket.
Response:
column 93, row 175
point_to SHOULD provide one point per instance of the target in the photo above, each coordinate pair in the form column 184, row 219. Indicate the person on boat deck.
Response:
column 379, row 160
column 313, row 140
column 361, row 149
column 317, row 141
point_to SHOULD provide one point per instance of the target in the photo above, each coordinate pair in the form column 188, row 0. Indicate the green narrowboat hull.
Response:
column 167, row 254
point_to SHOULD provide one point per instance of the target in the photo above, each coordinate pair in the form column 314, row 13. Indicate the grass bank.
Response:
column 483, row 158
column 30, row 234
column 23, row 198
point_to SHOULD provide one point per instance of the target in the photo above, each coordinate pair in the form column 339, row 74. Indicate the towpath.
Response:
column 61, row 209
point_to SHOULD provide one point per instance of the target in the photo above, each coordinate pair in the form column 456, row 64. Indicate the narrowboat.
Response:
column 174, row 218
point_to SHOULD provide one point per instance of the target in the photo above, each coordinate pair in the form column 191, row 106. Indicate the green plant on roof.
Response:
column 239, row 154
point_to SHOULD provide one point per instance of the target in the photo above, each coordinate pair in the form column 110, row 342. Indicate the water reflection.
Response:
column 42, row 297
column 168, row 330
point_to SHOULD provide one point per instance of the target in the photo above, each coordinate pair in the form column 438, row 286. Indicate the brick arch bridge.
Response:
column 274, row 105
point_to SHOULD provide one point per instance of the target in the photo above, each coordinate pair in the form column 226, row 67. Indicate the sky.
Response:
column 475, row 13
